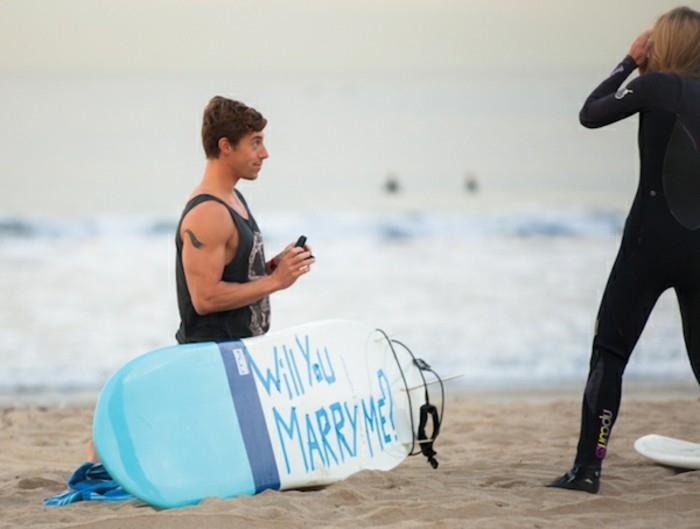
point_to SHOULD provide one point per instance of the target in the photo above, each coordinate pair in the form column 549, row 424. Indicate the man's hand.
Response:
column 275, row 261
column 640, row 49
column 293, row 263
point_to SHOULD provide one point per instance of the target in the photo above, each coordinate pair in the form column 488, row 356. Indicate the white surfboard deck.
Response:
column 669, row 451
column 300, row 407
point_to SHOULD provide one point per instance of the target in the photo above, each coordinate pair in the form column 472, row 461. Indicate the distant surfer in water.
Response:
column 223, row 280
column 660, row 246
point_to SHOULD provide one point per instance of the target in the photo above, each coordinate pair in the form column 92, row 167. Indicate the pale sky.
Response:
column 118, row 87
column 139, row 36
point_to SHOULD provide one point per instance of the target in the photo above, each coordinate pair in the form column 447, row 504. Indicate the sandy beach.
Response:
column 496, row 451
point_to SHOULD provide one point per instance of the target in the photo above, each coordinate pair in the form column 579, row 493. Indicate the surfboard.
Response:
column 297, row 408
column 669, row 451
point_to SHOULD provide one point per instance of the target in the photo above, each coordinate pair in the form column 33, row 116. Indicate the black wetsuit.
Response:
column 660, row 246
column 247, row 264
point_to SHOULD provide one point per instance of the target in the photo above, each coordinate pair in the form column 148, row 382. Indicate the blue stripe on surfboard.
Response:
column 250, row 416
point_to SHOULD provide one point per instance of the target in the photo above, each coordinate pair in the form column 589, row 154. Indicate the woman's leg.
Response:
column 630, row 294
column 689, row 303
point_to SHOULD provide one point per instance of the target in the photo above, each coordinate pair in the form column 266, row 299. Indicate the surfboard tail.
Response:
column 426, row 418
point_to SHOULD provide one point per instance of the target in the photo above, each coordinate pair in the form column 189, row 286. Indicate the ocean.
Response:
column 93, row 144
column 503, row 299
column 501, row 285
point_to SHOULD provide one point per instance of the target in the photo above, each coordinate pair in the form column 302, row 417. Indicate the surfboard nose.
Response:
column 166, row 429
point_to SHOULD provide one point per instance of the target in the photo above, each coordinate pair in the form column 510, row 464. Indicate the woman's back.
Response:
column 668, row 197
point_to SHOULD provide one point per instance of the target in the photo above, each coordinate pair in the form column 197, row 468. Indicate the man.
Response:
column 223, row 281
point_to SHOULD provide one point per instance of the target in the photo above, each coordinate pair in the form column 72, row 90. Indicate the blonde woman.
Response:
column 660, row 246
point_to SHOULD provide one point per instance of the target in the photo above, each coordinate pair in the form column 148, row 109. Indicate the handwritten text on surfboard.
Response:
column 328, row 434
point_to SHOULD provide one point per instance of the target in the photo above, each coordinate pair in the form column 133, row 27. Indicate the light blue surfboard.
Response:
column 296, row 408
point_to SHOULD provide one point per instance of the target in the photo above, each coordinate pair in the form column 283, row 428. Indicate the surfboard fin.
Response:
column 436, row 381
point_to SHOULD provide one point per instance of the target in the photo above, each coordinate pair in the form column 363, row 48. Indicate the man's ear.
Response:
column 225, row 145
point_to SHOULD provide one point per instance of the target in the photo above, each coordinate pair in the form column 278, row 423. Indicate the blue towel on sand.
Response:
column 89, row 482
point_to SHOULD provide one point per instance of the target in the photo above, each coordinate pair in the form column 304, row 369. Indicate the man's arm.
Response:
column 205, row 232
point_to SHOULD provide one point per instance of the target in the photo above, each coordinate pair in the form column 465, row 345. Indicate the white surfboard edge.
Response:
column 669, row 451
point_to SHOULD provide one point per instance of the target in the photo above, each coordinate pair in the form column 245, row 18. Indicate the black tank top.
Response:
column 247, row 264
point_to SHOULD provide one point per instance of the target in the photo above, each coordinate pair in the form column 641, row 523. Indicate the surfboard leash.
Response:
column 408, row 392
column 426, row 411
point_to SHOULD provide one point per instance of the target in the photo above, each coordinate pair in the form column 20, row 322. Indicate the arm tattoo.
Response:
column 195, row 241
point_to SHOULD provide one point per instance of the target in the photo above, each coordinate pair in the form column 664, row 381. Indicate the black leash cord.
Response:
column 437, row 377
column 408, row 392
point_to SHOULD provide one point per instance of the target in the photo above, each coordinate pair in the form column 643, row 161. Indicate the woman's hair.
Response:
column 675, row 43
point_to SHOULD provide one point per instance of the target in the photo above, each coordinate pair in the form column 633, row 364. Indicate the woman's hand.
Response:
column 640, row 49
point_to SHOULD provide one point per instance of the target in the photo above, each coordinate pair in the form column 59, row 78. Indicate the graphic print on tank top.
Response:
column 259, row 311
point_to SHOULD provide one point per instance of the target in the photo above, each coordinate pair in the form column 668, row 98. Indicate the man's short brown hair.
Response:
column 226, row 118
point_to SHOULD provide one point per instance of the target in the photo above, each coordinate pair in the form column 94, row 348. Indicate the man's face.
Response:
column 247, row 155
